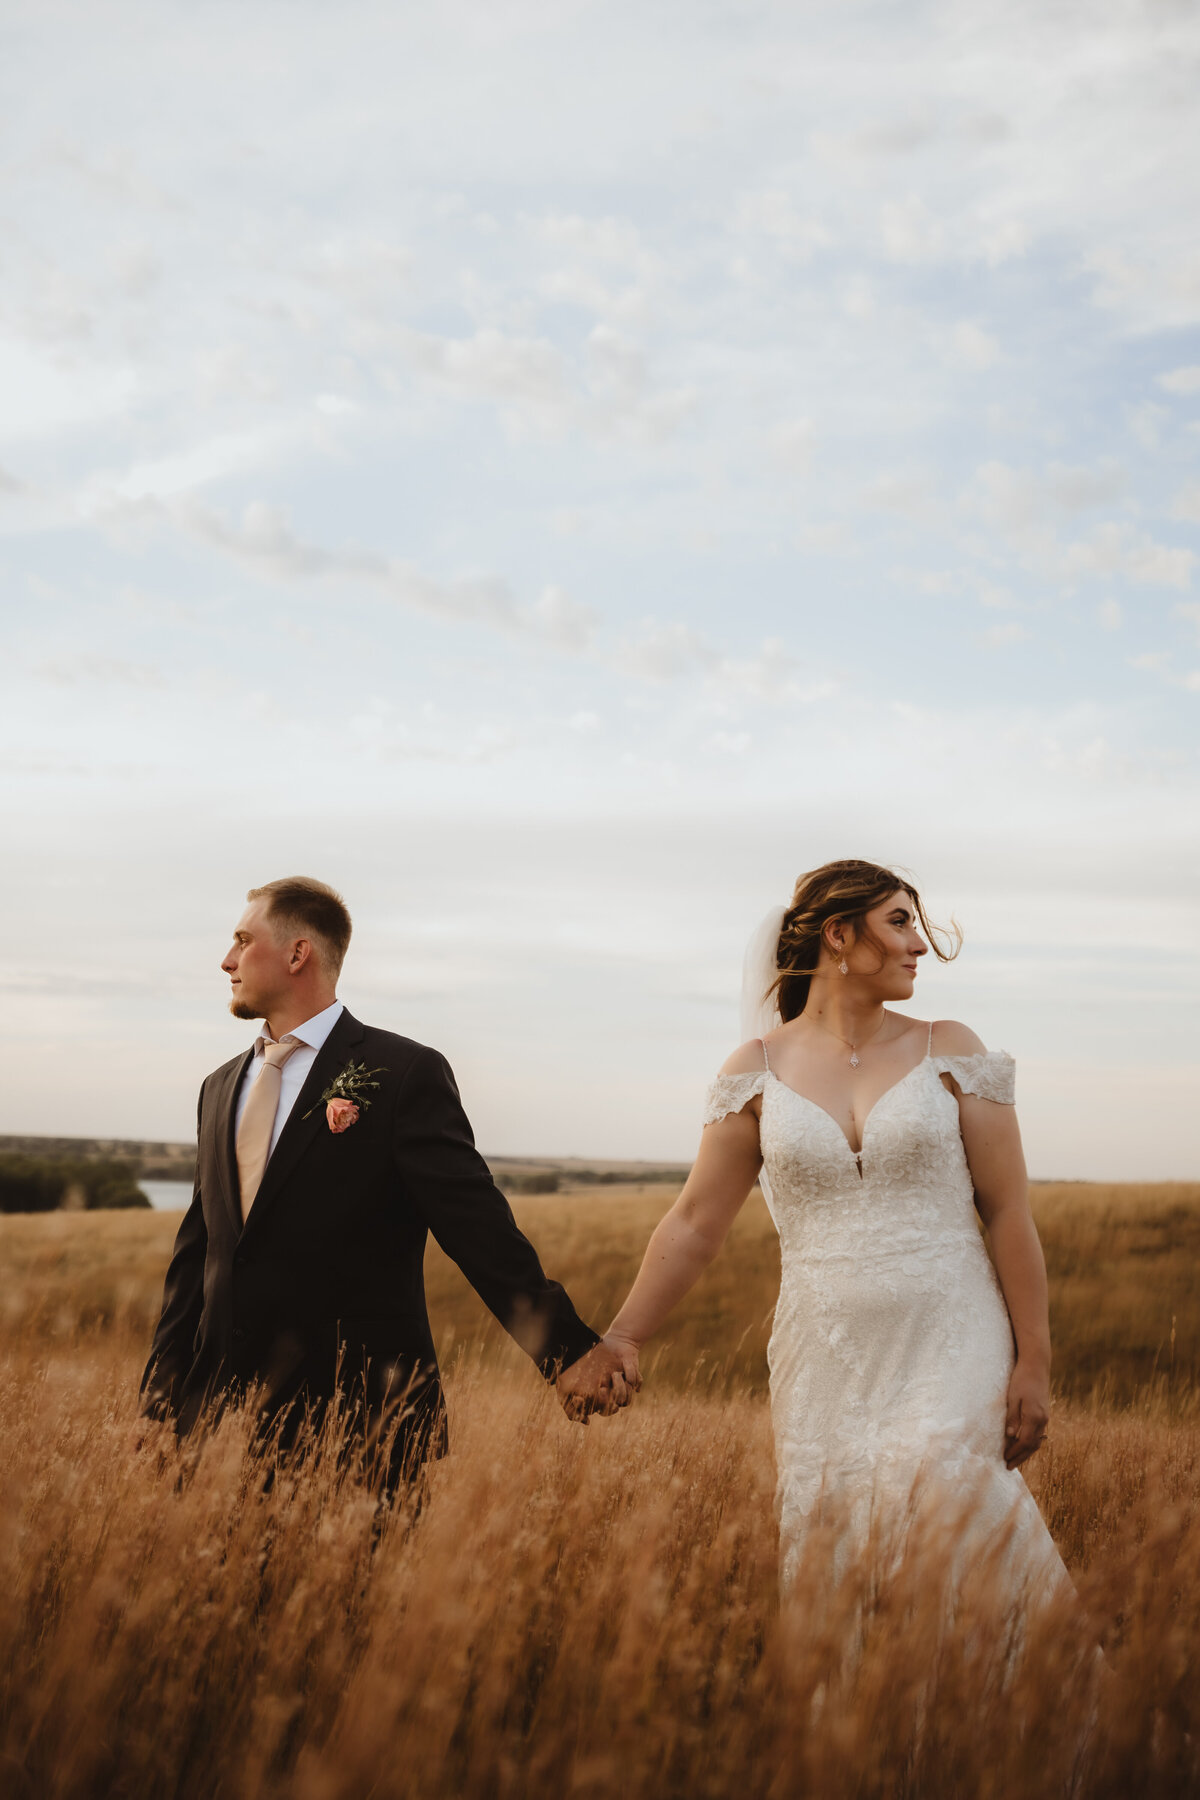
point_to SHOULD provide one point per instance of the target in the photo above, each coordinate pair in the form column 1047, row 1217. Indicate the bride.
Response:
column 902, row 1364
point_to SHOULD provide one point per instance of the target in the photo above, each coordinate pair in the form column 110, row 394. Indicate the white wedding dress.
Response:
column 892, row 1347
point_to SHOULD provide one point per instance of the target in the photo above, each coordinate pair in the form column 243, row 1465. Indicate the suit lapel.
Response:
column 226, row 1133
column 300, row 1131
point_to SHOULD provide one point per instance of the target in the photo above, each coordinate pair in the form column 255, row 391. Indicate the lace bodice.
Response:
column 910, row 1176
column 892, row 1345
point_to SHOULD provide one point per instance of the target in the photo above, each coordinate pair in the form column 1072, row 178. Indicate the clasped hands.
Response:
column 602, row 1381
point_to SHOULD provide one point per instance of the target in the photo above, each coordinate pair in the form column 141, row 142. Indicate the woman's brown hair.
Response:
column 842, row 893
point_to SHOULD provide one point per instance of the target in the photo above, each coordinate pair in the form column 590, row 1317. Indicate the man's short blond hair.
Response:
column 298, row 906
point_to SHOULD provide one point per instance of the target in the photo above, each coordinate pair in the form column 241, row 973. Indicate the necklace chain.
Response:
column 853, row 1048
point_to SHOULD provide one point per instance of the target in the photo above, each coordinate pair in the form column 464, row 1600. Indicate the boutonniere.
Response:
column 346, row 1096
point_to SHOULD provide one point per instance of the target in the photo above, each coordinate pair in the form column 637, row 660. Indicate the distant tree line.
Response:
column 53, row 1184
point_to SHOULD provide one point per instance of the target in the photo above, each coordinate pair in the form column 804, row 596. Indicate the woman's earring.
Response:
column 844, row 966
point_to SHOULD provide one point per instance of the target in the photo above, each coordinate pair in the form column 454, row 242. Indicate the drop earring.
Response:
column 844, row 966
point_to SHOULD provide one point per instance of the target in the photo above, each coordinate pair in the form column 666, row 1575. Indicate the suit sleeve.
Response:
column 452, row 1186
column 172, row 1351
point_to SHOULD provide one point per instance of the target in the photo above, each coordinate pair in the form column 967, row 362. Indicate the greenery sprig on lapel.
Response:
column 353, row 1084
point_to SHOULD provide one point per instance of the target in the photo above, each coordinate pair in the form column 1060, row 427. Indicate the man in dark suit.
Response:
column 324, row 1156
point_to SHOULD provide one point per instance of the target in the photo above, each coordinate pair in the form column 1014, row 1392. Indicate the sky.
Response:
column 560, row 471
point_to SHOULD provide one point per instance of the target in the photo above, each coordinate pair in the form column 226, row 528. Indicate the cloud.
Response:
column 999, row 637
column 771, row 213
column 911, row 232
column 1181, row 381
column 536, row 386
column 264, row 540
column 492, row 365
column 1186, row 504
column 86, row 669
column 1157, row 286
column 1119, row 550
column 669, row 652
column 973, row 348
column 1023, row 500
column 909, row 493
column 1109, row 615
column 564, row 621
column 792, row 444
column 663, row 652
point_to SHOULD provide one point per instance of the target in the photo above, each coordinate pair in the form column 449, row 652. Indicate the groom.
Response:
column 325, row 1155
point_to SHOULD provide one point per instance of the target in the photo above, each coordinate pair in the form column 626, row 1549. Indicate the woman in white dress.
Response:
column 901, row 1361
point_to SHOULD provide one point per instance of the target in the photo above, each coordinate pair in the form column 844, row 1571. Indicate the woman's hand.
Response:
column 603, row 1381
column 1028, row 1413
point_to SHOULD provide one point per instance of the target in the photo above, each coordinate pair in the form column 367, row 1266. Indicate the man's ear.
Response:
column 301, row 952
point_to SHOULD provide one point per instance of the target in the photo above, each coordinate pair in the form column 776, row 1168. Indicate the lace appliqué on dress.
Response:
column 992, row 1074
column 729, row 1093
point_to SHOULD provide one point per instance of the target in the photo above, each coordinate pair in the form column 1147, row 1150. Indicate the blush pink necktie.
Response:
column 258, row 1120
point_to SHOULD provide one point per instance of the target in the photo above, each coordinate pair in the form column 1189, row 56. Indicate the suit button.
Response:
column 239, row 1336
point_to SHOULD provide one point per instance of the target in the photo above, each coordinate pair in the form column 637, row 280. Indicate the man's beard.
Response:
column 241, row 1010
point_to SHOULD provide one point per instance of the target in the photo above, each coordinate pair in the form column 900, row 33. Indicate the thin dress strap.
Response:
column 766, row 1059
column 929, row 1044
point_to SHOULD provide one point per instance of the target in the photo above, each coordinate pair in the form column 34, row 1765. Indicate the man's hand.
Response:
column 603, row 1381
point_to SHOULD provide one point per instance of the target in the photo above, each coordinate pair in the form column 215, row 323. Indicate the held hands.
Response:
column 1028, row 1413
column 603, row 1381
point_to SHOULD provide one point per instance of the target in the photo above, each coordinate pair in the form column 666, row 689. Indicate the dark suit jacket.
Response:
column 322, row 1293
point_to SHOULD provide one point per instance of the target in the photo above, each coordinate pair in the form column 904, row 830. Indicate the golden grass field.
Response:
column 582, row 1612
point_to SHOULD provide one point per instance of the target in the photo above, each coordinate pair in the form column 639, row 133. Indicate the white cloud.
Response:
column 910, row 493
column 792, row 444
column 663, row 652
column 999, row 637
column 1186, row 504
column 531, row 372
column 105, row 671
column 566, row 622
column 264, row 540
column 1023, row 500
column 1119, row 550
column 1110, row 615
column 911, row 232
column 973, row 348
column 772, row 213
column 1181, row 381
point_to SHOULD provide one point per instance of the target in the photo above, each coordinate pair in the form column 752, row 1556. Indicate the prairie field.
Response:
column 583, row 1611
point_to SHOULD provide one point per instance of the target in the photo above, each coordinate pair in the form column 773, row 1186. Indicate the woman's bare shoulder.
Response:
column 952, row 1038
column 747, row 1059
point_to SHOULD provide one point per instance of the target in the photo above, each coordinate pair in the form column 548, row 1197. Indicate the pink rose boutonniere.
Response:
column 340, row 1115
column 347, row 1095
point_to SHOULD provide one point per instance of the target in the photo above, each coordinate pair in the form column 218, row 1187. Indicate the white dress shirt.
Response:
column 292, row 1076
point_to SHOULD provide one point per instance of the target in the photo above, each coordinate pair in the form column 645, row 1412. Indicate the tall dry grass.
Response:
column 585, row 1612
column 1123, row 1260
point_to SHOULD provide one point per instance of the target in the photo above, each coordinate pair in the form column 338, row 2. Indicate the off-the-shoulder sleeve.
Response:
column 992, row 1074
column 729, row 1093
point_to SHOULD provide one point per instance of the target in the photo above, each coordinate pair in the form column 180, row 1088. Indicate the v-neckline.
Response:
column 824, row 1110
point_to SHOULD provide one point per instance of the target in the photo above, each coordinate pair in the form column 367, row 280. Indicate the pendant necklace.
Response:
column 853, row 1048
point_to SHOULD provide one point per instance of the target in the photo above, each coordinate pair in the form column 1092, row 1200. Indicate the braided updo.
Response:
column 843, row 893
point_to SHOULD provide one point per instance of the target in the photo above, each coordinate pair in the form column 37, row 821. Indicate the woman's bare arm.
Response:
column 992, row 1140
